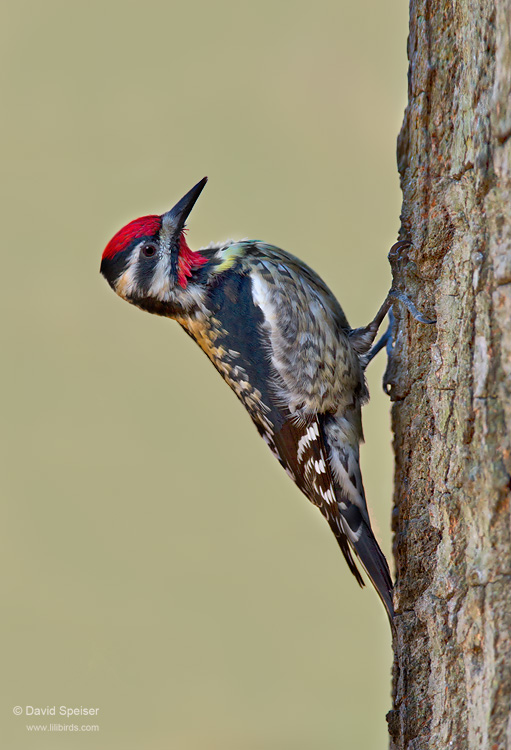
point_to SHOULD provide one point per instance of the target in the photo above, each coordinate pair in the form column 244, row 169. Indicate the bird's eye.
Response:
column 148, row 251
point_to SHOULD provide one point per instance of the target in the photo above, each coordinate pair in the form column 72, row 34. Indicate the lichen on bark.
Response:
column 451, row 384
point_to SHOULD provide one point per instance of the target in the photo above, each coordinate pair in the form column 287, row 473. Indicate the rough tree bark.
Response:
column 451, row 384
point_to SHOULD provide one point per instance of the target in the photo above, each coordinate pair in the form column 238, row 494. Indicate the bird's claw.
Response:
column 407, row 302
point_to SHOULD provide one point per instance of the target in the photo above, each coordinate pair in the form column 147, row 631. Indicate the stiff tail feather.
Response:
column 375, row 565
column 367, row 550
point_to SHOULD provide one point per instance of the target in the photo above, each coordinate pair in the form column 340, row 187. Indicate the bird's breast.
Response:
column 210, row 334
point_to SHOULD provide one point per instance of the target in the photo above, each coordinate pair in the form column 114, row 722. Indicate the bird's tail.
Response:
column 367, row 549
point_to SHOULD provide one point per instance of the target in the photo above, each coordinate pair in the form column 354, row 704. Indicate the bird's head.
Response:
column 149, row 263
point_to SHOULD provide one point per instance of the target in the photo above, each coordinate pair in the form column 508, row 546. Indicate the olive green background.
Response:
column 157, row 562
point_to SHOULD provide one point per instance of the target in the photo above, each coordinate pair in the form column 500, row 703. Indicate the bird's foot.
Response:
column 386, row 340
column 407, row 302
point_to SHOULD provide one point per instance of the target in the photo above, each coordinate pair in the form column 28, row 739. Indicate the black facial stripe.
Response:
column 174, row 256
column 144, row 272
column 112, row 268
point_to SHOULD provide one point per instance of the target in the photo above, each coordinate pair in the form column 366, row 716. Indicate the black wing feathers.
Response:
column 232, row 304
column 302, row 453
column 300, row 446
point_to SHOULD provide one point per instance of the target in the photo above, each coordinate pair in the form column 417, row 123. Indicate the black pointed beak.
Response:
column 177, row 216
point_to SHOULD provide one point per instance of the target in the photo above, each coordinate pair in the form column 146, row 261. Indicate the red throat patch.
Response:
column 187, row 261
column 146, row 226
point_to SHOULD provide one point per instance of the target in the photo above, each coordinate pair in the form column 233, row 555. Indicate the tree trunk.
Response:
column 451, row 384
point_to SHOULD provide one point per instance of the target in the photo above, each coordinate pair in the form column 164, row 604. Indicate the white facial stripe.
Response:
column 167, row 232
column 160, row 285
column 126, row 282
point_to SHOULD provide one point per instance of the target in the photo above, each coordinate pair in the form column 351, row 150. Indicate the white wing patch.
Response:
column 306, row 440
column 313, row 468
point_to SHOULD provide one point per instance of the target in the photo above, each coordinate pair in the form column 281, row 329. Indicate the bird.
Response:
column 281, row 341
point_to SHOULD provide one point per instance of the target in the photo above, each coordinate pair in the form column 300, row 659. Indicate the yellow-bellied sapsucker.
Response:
column 280, row 339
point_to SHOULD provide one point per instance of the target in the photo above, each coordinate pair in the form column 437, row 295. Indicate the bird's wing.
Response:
column 242, row 353
column 300, row 449
column 305, row 454
column 238, row 341
column 317, row 365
